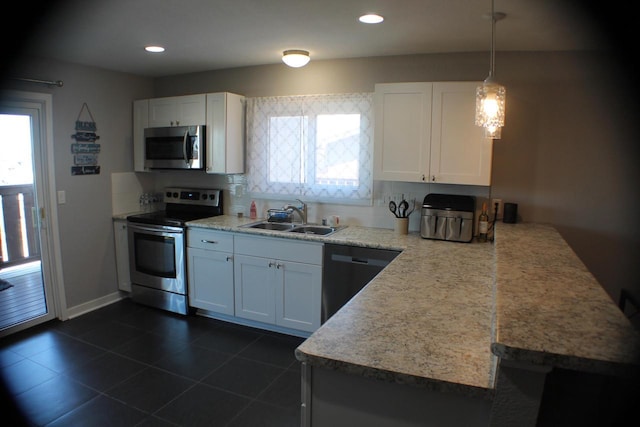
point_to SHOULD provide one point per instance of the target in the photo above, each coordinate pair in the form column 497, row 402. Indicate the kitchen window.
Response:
column 315, row 147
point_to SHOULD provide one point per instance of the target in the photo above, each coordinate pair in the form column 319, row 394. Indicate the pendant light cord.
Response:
column 493, row 41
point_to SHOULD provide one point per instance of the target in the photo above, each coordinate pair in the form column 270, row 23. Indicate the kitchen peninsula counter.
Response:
column 443, row 315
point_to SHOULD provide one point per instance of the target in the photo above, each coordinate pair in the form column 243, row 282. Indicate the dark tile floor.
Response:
column 131, row 365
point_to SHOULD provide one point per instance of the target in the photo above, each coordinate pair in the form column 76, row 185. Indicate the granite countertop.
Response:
column 442, row 313
column 418, row 322
column 550, row 310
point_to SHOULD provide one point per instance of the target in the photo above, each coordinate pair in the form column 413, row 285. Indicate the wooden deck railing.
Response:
column 19, row 242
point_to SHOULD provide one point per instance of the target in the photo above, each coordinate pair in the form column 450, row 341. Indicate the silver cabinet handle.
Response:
column 213, row 242
column 433, row 178
column 271, row 264
column 229, row 258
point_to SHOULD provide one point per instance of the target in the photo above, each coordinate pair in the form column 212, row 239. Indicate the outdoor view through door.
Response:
column 22, row 292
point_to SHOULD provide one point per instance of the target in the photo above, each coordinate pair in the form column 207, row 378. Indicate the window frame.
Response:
column 258, row 182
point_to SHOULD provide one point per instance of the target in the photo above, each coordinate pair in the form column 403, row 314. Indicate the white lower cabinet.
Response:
column 268, row 280
column 210, row 270
column 278, row 281
column 122, row 254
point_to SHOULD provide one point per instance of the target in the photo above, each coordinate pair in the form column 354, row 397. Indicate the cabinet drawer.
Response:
column 282, row 249
column 210, row 240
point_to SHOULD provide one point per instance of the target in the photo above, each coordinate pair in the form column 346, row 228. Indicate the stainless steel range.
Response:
column 157, row 247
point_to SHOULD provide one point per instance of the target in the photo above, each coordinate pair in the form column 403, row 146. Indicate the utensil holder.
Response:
column 402, row 226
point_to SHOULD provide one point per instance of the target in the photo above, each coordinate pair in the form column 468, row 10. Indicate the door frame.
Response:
column 51, row 261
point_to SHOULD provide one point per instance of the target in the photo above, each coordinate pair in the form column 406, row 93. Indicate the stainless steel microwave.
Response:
column 176, row 147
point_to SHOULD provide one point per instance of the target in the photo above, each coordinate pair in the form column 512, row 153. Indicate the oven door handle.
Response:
column 156, row 230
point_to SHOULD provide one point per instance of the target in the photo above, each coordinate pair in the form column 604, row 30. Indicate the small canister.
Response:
column 510, row 213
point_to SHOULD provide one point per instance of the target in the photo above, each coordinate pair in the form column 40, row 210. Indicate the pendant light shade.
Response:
column 491, row 96
column 295, row 58
column 490, row 103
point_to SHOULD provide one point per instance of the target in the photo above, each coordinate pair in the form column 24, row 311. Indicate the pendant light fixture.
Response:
column 295, row 58
column 491, row 96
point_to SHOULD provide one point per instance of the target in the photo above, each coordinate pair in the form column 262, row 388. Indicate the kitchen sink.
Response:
column 321, row 230
column 318, row 230
column 276, row 226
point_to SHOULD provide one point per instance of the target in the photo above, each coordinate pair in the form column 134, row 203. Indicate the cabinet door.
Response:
column 225, row 133
column 402, row 131
column 122, row 254
column 162, row 112
column 298, row 294
column 192, row 110
column 459, row 152
column 211, row 280
column 140, row 122
column 254, row 288
column 186, row 110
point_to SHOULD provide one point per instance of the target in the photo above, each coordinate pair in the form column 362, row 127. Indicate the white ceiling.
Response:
column 202, row 35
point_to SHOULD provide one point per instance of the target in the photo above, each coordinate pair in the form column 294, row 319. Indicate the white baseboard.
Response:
column 95, row 304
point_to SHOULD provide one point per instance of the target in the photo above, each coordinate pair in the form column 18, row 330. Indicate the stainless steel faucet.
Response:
column 302, row 210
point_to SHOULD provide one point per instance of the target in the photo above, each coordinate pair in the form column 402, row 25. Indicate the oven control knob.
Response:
column 168, row 193
column 175, row 195
column 212, row 196
column 204, row 196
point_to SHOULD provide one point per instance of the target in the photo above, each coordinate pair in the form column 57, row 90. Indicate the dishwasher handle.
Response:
column 361, row 261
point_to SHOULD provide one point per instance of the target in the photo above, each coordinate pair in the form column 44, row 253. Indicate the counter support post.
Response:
column 305, row 405
column 518, row 394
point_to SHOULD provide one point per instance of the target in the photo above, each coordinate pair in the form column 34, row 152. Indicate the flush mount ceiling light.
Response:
column 154, row 49
column 295, row 58
column 491, row 96
column 371, row 18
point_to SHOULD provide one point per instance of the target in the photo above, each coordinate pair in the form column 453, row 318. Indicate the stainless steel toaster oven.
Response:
column 448, row 217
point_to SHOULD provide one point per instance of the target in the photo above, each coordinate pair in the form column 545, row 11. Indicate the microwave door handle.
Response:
column 184, row 146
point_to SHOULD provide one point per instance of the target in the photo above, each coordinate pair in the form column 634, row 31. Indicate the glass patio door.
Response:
column 24, row 293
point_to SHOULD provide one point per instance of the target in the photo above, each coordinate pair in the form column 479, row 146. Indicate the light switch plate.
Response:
column 62, row 197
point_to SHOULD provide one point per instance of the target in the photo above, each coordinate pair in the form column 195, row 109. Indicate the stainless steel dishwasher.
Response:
column 346, row 270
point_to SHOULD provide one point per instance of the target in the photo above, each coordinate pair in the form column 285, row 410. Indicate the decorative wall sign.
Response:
column 85, row 150
column 85, row 170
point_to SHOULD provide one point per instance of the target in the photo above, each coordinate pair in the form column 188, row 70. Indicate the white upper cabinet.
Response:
column 225, row 133
column 425, row 132
column 189, row 110
column 402, row 131
column 460, row 154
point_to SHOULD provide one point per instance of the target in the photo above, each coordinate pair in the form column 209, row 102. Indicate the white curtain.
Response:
column 316, row 147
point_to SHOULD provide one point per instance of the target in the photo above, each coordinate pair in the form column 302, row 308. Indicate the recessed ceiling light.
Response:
column 371, row 18
column 154, row 49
